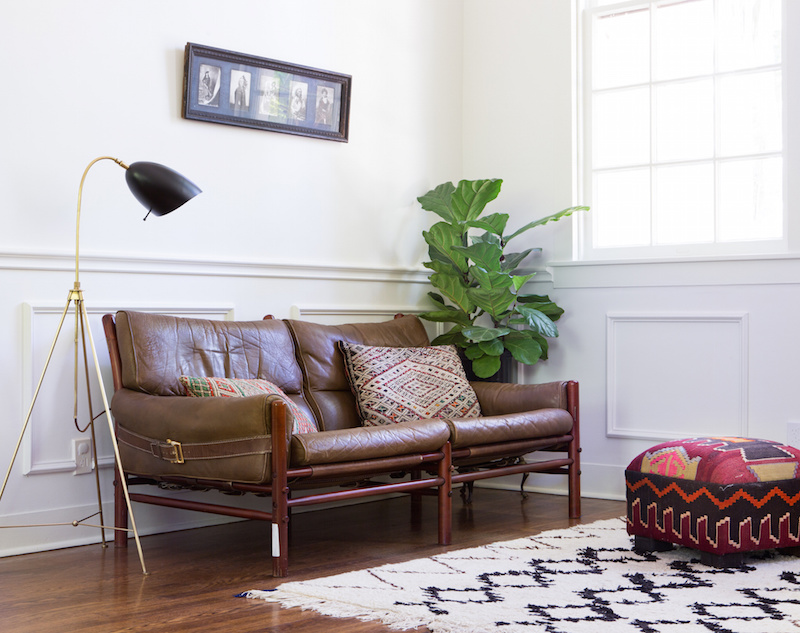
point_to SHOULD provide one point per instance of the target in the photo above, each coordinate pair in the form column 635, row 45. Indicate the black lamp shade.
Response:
column 159, row 188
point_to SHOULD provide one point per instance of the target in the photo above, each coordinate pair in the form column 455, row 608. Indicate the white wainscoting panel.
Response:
column 677, row 375
column 46, row 446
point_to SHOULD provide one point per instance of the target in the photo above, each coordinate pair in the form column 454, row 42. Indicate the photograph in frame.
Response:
column 231, row 88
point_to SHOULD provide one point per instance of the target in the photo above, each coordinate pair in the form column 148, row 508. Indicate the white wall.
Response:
column 661, row 349
column 283, row 221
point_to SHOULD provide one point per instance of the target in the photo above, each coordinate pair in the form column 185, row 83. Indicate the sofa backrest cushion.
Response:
column 156, row 349
column 325, row 383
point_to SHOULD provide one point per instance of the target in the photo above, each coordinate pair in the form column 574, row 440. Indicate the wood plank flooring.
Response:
column 195, row 574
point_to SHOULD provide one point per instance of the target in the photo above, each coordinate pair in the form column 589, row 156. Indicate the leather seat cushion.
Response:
column 506, row 428
column 374, row 442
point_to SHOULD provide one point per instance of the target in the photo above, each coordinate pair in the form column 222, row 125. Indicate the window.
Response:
column 682, row 137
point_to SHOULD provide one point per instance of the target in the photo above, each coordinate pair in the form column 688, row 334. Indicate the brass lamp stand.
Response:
column 161, row 190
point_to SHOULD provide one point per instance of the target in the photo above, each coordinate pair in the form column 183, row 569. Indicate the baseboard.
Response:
column 598, row 481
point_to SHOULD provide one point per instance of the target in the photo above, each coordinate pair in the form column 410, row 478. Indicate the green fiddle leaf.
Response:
column 511, row 261
column 442, row 238
column 490, row 279
column 446, row 267
column 487, row 238
column 438, row 201
column 454, row 288
column 452, row 337
column 473, row 352
column 483, row 254
column 486, row 366
column 449, row 315
column 538, row 321
column 521, row 281
column 437, row 299
column 550, row 218
column 543, row 304
column 495, row 301
column 523, row 347
column 494, row 223
column 494, row 347
column 478, row 333
column 471, row 196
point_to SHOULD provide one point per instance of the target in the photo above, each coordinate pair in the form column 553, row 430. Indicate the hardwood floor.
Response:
column 194, row 575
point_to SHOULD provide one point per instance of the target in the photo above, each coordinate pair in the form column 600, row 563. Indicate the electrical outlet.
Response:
column 82, row 451
column 793, row 433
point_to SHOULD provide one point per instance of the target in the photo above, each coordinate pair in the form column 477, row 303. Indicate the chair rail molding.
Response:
column 674, row 375
column 133, row 264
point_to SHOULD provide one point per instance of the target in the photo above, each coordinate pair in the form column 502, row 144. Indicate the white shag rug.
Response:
column 585, row 579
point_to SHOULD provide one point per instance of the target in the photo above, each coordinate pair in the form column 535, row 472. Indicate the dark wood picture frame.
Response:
column 232, row 88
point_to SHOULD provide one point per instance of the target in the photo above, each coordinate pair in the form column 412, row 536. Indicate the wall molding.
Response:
column 645, row 273
column 131, row 264
column 674, row 365
column 135, row 264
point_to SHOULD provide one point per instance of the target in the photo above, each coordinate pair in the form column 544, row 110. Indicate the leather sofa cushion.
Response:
column 325, row 386
column 156, row 349
column 373, row 442
column 509, row 427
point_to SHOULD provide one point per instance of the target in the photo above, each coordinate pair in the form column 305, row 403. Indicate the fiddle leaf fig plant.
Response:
column 478, row 288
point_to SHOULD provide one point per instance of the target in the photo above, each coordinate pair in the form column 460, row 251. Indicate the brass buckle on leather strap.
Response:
column 178, row 459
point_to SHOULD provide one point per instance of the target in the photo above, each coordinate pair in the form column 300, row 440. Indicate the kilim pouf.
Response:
column 724, row 496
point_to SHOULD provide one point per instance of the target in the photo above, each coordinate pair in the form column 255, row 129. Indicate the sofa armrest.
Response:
column 498, row 398
column 195, row 419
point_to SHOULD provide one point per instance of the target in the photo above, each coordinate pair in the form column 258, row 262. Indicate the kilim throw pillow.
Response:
column 203, row 387
column 396, row 384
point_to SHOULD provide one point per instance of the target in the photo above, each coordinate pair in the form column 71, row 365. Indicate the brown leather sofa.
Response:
column 228, row 444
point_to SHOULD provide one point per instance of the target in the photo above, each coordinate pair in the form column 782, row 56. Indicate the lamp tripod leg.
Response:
column 83, row 328
column 112, row 431
column 35, row 396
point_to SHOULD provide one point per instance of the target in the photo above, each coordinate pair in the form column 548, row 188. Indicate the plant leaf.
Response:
column 538, row 321
column 454, row 288
column 473, row 352
column 471, row 196
column 523, row 347
column 478, row 333
column 483, row 254
column 550, row 218
column 439, row 201
column 442, row 238
column 452, row 337
column 495, row 301
column 494, row 223
column 521, row 281
column 486, row 366
column 490, row 279
column 512, row 260
column 450, row 315
column 543, row 304
column 494, row 347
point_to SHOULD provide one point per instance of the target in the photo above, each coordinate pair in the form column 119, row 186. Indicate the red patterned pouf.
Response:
column 723, row 496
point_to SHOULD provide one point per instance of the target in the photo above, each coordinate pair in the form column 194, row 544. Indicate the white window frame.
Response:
column 583, row 247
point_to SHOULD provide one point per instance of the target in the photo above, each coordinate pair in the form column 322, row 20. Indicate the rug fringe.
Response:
column 344, row 610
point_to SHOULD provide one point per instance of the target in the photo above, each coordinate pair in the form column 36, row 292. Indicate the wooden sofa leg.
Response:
column 120, row 513
column 445, row 496
column 280, row 493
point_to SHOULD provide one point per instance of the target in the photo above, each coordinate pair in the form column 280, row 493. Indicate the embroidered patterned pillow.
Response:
column 396, row 384
column 203, row 387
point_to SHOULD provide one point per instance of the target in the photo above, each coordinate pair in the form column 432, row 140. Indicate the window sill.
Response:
column 700, row 271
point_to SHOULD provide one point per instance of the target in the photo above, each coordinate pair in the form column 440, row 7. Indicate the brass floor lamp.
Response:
column 160, row 190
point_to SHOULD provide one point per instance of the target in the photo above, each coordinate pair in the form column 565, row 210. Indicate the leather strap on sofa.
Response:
column 177, row 452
